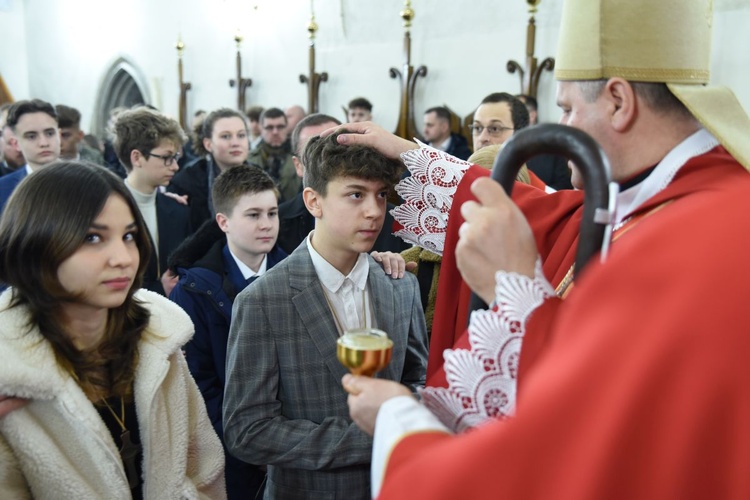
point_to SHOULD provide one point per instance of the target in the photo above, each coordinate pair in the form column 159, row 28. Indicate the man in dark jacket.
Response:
column 219, row 261
column 437, row 132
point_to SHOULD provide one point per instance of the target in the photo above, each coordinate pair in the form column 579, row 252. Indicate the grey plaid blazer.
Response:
column 283, row 402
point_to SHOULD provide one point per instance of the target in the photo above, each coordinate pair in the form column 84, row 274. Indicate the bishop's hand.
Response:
column 366, row 395
column 495, row 237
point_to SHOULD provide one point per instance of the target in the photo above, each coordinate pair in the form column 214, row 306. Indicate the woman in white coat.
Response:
column 112, row 411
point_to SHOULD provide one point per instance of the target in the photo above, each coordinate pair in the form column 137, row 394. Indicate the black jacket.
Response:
column 459, row 147
column 173, row 220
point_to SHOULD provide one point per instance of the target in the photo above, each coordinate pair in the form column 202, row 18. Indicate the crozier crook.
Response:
column 600, row 192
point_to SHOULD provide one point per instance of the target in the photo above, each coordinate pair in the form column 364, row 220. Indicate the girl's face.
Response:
column 228, row 144
column 103, row 268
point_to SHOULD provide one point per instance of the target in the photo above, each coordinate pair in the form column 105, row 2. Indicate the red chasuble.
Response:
column 639, row 381
column 555, row 219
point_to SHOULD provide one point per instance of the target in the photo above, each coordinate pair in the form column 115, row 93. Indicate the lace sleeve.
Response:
column 482, row 379
column 428, row 196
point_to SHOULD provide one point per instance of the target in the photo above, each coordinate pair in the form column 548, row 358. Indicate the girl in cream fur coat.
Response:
column 111, row 410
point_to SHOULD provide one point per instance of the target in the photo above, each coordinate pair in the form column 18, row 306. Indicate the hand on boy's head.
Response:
column 374, row 136
column 393, row 264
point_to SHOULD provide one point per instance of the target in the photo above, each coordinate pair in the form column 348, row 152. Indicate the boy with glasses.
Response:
column 148, row 145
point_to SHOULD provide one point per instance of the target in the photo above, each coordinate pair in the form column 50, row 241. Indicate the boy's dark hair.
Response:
column 518, row 112
column 272, row 113
column 253, row 113
column 68, row 117
column 237, row 181
column 309, row 121
column 360, row 102
column 143, row 129
column 325, row 160
column 20, row 108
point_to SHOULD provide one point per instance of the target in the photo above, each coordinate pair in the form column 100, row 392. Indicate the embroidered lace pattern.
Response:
column 428, row 196
column 482, row 379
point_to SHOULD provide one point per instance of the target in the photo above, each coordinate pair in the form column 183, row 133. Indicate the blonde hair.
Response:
column 485, row 158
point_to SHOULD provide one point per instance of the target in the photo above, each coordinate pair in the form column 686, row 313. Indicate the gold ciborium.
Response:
column 365, row 351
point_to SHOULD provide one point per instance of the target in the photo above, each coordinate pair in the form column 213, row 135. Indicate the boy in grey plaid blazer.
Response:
column 284, row 406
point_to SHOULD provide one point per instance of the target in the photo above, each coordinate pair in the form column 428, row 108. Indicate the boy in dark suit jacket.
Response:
column 222, row 258
column 283, row 403
column 148, row 145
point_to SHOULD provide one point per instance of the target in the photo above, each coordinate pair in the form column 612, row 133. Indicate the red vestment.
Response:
column 638, row 385
column 555, row 219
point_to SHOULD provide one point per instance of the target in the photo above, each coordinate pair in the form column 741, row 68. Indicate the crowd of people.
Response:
column 172, row 300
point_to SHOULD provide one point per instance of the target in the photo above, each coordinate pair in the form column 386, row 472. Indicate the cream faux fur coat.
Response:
column 58, row 446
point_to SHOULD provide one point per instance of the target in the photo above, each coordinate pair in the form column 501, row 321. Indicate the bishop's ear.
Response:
column 312, row 201
column 621, row 97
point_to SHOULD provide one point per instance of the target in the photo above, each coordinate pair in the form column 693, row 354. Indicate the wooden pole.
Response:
column 313, row 79
column 406, row 127
column 184, row 87
column 529, row 76
column 242, row 83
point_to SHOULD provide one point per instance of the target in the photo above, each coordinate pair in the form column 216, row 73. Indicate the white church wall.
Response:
column 465, row 46
column 13, row 53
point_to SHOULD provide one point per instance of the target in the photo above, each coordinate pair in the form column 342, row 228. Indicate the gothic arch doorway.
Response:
column 122, row 86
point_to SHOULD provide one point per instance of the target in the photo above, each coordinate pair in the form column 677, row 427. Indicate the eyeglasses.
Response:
column 493, row 130
column 168, row 159
column 272, row 127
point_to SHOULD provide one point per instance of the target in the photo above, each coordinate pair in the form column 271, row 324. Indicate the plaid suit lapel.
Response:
column 384, row 305
column 313, row 310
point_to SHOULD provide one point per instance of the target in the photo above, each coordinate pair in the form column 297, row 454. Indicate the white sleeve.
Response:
column 428, row 196
column 398, row 417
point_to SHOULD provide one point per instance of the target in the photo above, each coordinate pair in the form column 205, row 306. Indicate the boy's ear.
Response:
column 299, row 167
column 135, row 158
column 312, row 201
column 223, row 222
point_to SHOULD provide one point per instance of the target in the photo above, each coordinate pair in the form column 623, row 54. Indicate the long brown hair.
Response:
column 45, row 221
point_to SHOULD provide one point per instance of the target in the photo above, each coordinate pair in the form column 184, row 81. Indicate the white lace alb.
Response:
column 482, row 379
column 428, row 196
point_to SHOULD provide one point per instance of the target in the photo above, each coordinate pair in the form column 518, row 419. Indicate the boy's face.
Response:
column 359, row 115
column 349, row 217
column 38, row 138
column 150, row 171
column 253, row 225
column 69, row 139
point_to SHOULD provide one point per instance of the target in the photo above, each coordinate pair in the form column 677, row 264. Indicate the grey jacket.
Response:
column 283, row 404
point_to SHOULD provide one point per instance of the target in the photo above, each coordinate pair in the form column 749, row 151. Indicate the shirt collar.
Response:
column 248, row 273
column 332, row 278
column 696, row 144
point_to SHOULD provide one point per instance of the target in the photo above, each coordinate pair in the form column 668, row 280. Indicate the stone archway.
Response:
column 122, row 86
